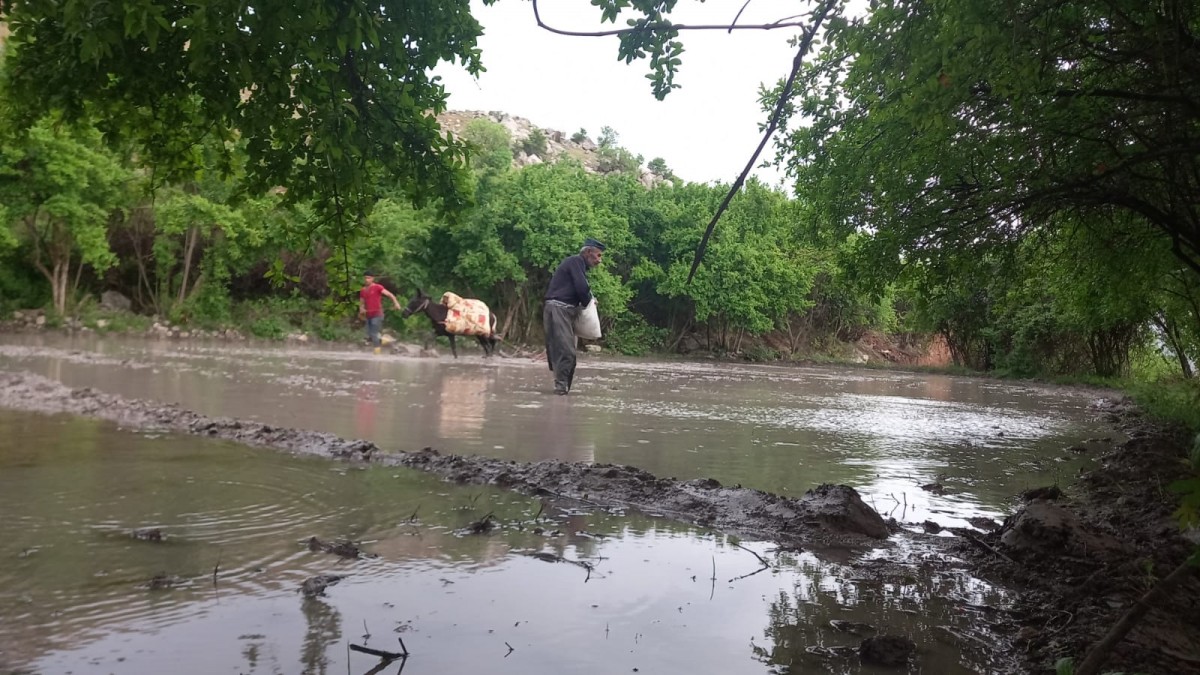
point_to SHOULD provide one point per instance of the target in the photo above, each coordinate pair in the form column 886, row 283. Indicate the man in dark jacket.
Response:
column 567, row 295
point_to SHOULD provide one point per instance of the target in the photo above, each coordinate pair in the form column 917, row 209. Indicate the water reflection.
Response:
column 563, row 433
column 323, row 634
column 366, row 408
column 782, row 430
column 462, row 404
column 830, row 610
column 661, row 597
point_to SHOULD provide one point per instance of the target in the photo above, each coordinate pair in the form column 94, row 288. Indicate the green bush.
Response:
column 1170, row 399
column 632, row 336
column 21, row 287
column 91, row 314
column 760, row 353
column 534, row 144
column 268, row 328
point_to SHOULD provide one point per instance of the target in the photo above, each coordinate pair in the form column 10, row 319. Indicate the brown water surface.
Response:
column 662, row 597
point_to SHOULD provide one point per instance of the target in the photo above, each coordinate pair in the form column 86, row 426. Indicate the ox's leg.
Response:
column 485, row 341
column 453, row 349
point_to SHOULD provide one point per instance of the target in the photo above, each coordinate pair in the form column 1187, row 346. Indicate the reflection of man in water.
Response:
column 559, row 438
column 364, row 411
column 567, row 295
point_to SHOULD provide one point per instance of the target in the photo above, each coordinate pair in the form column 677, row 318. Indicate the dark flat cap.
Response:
column 593, row 243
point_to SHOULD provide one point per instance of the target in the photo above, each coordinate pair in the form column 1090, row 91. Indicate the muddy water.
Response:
column 74, row 586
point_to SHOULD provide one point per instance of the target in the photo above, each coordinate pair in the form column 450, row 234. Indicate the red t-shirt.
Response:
column 372, row 297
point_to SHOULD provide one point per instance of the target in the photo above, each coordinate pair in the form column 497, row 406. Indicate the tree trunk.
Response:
column 1174, row 340
column 188, row 247
column 135, row 240
column 687, row 325
column 58, row 286
column 75, row 284
column 513, row 309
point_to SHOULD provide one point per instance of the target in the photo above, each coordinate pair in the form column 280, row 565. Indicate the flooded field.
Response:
column 78, row 592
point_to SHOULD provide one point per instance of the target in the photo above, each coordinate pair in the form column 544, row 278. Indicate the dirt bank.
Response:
column 1074, row 563
column 1082, row 557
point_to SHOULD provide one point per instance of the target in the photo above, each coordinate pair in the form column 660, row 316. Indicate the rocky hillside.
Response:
column 558, row 143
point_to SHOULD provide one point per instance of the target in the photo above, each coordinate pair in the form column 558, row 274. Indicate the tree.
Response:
column 326, row 95
column 608, row 137
column 953, row 128
column 579, row 136
column 658, row 167
column 758, row 271
column 535, row 143
column 59, row 187
column 491, row 145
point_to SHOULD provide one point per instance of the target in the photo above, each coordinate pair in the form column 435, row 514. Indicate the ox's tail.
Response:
column 492, row 320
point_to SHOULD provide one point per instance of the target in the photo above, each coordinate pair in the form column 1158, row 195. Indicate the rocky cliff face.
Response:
column 558, row 144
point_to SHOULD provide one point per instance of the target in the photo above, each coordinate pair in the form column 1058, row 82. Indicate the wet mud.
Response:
column 1075, row 559
column 1082, row 556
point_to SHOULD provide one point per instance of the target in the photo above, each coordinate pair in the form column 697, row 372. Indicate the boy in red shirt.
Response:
column 370, row 305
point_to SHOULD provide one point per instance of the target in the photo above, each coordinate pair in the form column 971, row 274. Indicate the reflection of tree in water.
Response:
column 946, row 614
column 324, row 630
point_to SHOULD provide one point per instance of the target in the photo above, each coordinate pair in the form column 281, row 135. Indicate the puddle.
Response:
column 660, row 596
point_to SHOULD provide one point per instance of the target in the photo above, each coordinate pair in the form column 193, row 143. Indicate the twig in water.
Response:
column 413, row 517
column 510, row 649
column 378, row 652
column 755, row 553
column 216, row 567
column 761, row 560
column 761, row 569
column 403, row 649
column 366, row 632
column 712, row 593
column 541, row 507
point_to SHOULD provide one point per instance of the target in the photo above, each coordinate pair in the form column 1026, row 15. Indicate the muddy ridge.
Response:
column 830, row 515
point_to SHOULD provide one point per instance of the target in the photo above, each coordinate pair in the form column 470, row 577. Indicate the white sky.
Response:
column 706, row 131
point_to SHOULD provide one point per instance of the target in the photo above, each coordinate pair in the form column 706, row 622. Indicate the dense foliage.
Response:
column 1018, row 179
column 329, row 97
column 1027, row 173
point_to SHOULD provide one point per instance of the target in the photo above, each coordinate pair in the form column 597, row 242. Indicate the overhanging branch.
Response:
column 660, row 26
column 784, row 96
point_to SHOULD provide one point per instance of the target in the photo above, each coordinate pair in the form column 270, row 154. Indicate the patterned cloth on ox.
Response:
column 467, row 317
